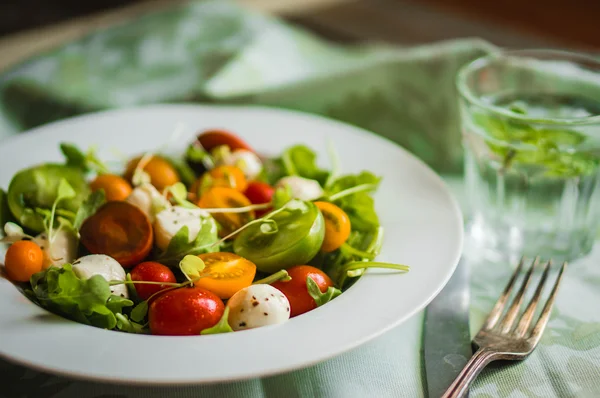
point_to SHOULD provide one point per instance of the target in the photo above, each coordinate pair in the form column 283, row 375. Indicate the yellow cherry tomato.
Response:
column 225, row 198
column 162, row 173
column 222, row 176
column 337, row 226
column 115, row 188
column 229, row 273
column 23, row 259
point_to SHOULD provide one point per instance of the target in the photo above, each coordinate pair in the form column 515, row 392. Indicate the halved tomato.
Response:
column 229, row 273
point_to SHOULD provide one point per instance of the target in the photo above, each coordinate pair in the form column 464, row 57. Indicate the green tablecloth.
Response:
column 215, row 52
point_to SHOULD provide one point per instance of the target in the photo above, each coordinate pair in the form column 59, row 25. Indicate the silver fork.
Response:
column 498, row 338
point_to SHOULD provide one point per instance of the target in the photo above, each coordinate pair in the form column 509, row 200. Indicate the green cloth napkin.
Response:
column 216, row 52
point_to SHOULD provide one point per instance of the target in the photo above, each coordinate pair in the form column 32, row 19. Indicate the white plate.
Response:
column 423, row 228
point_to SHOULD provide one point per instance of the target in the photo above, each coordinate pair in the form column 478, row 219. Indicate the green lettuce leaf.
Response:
column 87, row 162
column 221, row 327
column 180, row 245
column 87, row 301
column 89, row 207
column 297, row 160
column 5, row 215
column 359, row 206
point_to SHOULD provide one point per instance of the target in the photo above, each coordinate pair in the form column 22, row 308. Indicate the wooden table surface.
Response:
column 511, row 23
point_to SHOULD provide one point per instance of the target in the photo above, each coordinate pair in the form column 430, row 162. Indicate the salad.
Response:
column 214, row 240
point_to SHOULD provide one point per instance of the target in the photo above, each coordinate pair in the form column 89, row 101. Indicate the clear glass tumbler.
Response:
column 531, row 133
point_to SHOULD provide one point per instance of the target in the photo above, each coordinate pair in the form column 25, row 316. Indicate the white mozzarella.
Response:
column 105, row 266
column 147, row 199
column 301, row 188
column 246, row 160
column 256, row 306
column 63, row 249
column 169, row 221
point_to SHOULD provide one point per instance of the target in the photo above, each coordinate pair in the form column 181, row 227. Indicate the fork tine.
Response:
column 494, row 315
column 513, row 311
column 539, row 327
column 527, row 316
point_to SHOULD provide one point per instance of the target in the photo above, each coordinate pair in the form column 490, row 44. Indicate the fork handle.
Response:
column 478, row 361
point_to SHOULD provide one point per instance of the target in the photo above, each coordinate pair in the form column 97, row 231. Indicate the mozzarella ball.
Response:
column 257, row 305
column 147, row 199
column 301, row 188
column 246, row 160
column 169, row 221
column 105, row 266
column 63, row 249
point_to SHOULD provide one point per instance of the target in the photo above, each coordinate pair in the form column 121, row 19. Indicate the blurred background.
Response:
column 565, row 23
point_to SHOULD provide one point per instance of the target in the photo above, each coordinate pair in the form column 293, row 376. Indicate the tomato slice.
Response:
column 120, row 230
column 229, row 273
column 299, row 236
column 225, row 198
column 213, row 138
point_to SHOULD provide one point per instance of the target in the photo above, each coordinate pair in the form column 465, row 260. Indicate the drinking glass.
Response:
column 531, row 134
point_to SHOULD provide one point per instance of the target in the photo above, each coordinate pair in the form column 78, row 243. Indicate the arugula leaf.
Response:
column 87, row 301
column 359, row 206
column 180, row 244
column 85, row 161
column 74, row 156
column 298, row 160
column 221, row 327
column 186, row 174
column 89, row 208
column 124, row 324
column 191, row 266
column 139, row 312
column 320, row 297
column 5, row 214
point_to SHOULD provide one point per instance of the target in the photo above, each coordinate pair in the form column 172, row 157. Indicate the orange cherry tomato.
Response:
column 120, row 230
column 229, row 273
column 224, row 198
column 23, row 259
column 337, row 226
column 226, row 176
column 115, row 188
column 162, row 173
column 213, row 138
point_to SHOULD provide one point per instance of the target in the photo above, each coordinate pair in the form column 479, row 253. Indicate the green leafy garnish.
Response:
column 180, row 244
column 191, row 267
column 124, row 324
column 179, row 194
column 320, row 297
column 358, row 204
column 84, row 161
column 186, row 174
column 87, row 301
column 138, row 313
column 5, row 215
column 89, row 208
column 221, row 327
column 277, row 276
column 299, row 160
column 65, row 191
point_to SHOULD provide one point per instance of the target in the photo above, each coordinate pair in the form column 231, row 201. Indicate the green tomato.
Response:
column 37, row 187
column 299, row 236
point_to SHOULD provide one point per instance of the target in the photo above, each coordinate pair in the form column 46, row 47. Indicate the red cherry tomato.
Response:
column 296, row 291
column 150, row 271
column 185, row 312
column 213, row 138
column 259, row 193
